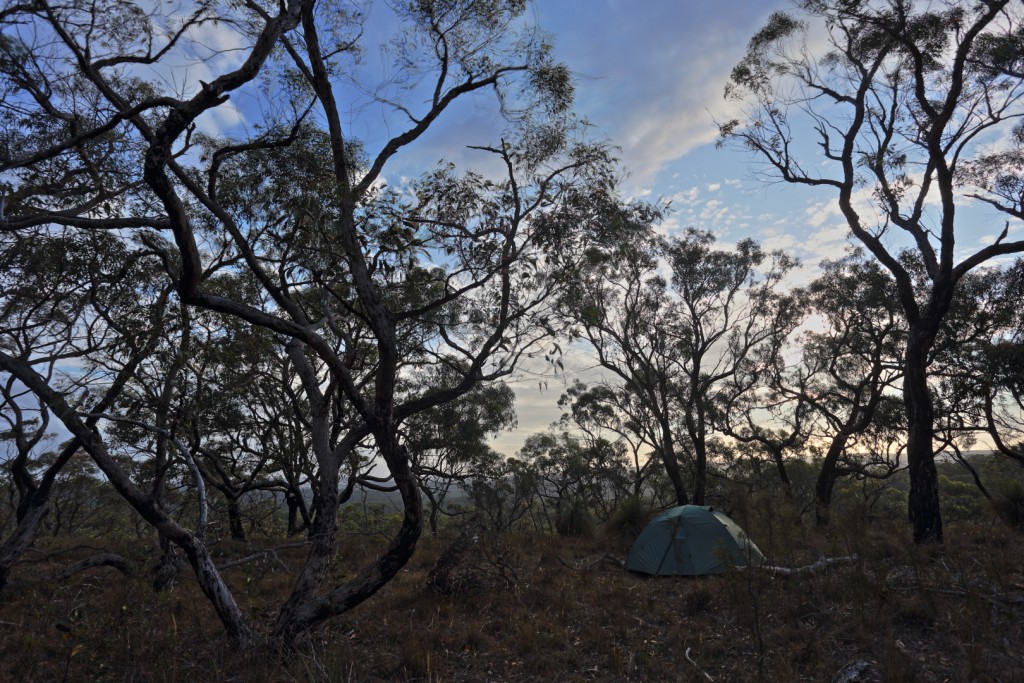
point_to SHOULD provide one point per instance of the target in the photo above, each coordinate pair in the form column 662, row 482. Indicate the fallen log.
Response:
column 810, row 569
column 97, row 560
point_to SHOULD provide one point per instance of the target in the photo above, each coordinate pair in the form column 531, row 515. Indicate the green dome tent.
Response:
column 691, row 540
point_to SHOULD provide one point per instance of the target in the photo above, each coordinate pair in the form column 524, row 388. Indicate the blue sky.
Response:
column 649, row 76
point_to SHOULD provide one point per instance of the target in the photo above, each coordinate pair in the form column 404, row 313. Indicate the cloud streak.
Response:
column 651, row 75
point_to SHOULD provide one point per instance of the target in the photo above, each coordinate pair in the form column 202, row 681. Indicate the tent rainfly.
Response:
column 691, row 540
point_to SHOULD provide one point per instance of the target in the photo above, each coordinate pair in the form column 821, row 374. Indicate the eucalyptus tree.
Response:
column 977, row 365
column 609, row 414
column 504, row 493
column 1003, row 402
column 24, row 431
column 254, row 442
column 65, row 298
column 733, row 316
column 906, row 107
column 760, row 411
column 357, row 280
column 144, row 423
column 576, row 471
column 618, row 303
column 447, row 443
column 851, row 367
column 226, row 391
column 673, row 343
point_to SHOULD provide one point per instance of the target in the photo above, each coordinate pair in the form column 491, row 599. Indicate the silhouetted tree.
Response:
column 673, row 344
column 901, row 105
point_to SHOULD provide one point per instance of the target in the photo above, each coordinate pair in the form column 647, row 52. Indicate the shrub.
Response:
column 475, row 562
column 629, row 518
column 1009, row 504
column 575, row 519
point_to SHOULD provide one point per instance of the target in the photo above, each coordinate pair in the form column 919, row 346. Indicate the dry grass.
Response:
column 550, row 609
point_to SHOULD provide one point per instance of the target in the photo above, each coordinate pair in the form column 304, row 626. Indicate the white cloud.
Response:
column 686, row 198
column 220, row 119
column 665, row 65
column 774, row 239
column 537, row 389
column 817, row 214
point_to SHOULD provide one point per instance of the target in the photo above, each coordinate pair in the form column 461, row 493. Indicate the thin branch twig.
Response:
column 691, row 661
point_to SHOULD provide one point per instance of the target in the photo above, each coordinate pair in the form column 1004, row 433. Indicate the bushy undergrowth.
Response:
column 575, row 519
column 1009, row 503
column 629, row 518
column 541, row 607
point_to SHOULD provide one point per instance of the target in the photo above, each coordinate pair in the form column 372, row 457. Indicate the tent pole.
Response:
column 669, row 545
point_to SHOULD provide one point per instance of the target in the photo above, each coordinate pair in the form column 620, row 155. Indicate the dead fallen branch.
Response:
column 269, row 554
column 93, row 561
column 811, row 569
column 692, row 661
column 607, row 557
